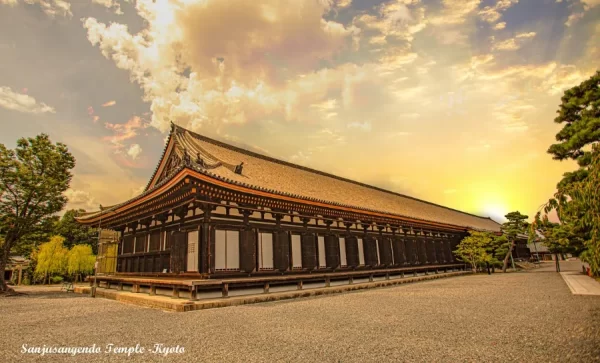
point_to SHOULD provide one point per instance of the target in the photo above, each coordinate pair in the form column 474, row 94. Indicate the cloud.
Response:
column 363, row 126
column 134, row 151
column 512, row 114
column 49, row 7
column 251, row 70
column 109, row 103
column 491, row 14
column 500, row 26
column 22, row 103
column 124, row 132
column 81, row 199
column 110, row 4
column 454, row 12
column 513, row 43
column 588, row 4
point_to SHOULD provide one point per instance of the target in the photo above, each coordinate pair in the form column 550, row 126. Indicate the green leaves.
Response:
column 481, row 247
column 33, row 178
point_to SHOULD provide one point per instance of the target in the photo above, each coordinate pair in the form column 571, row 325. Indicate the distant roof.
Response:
column 261, row 172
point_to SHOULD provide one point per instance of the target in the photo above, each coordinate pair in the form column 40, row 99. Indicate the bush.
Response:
column 56, row 279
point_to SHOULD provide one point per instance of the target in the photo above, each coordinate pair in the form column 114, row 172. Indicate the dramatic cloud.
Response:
column 50, row 7
column 134, row 151
column 124, row 132
column 492, row 13
column 110, row 4
column 21, row 102
column 79, row 199
column 513, row 43
column 250, row 70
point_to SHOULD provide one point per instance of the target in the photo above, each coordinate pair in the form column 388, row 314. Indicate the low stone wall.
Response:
column 182, row 305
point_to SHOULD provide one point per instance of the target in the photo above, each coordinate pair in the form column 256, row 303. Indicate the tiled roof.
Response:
column 283, row 177
column 279, row 177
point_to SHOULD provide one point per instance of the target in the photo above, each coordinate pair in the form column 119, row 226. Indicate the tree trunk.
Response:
column 3, row 263
column 507, row 257
column 557, row 262
column 487, row 267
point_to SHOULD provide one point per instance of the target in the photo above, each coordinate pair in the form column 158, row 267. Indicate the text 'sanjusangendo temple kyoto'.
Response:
column 215, row 210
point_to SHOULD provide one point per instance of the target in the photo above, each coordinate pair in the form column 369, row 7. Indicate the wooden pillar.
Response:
column 175, row 291
column 350, row 280
column 225, row 290
column 152, row 289
column 300, row 285
column 20, row 275
column 205, row 240
column 327, row 281
column 120, row 286
column 194, row 293
column 266, row 288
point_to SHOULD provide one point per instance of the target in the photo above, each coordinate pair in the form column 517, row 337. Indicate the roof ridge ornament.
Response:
column 238, row 168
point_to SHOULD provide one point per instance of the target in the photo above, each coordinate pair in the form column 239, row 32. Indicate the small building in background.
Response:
column 13, row 271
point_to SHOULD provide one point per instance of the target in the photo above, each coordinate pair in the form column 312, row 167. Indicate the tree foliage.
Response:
column 481, row 248
column 580, row 114
column 51, row 258
column 74, row 232
column 516, row 224
column 33, row 178
column 577, row 198
column 80, row 260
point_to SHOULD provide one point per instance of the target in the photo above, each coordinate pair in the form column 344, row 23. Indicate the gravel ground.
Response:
column 513, row 317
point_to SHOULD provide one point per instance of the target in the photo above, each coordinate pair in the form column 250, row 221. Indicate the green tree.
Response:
column 497, row 248
column 580, row 114
column 515, row 225
column 473, row 249
column 80, row 260
column 578, row 208
column 76, row 233
column 51, row 258
column 33, row 178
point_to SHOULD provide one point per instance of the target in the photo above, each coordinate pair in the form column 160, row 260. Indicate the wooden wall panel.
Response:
column 370, row 248
column 248, row 251
column 352, row 251
column 385, row 250
column 155, row 241
column 309, row 251
column 178, row 251
column 398, row 250
column 332, row 251
column 281, row 250
column 411, row 252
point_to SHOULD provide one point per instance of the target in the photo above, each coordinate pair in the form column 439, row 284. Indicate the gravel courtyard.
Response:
column 518, row 317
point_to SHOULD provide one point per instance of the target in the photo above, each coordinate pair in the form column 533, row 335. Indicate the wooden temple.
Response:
column 213, row 210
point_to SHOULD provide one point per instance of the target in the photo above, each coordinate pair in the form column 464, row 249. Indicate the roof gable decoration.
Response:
column 180, row 147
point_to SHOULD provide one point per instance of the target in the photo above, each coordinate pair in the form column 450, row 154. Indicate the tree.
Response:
column 580, row 114
column 578, row 207
column 515, row 225
column 51, row 258
column 33, row 178
column 472, row 249
column 76, row 233
column 80, row 260
column 497, row 248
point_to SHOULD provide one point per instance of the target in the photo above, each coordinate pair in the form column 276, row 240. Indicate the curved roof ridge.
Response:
column 315, row 171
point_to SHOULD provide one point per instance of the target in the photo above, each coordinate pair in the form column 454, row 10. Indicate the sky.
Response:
column 449, row 101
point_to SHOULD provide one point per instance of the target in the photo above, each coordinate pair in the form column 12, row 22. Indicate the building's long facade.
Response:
column 212, row 209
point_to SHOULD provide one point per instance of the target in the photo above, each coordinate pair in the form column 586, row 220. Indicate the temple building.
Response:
column 213, row 210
